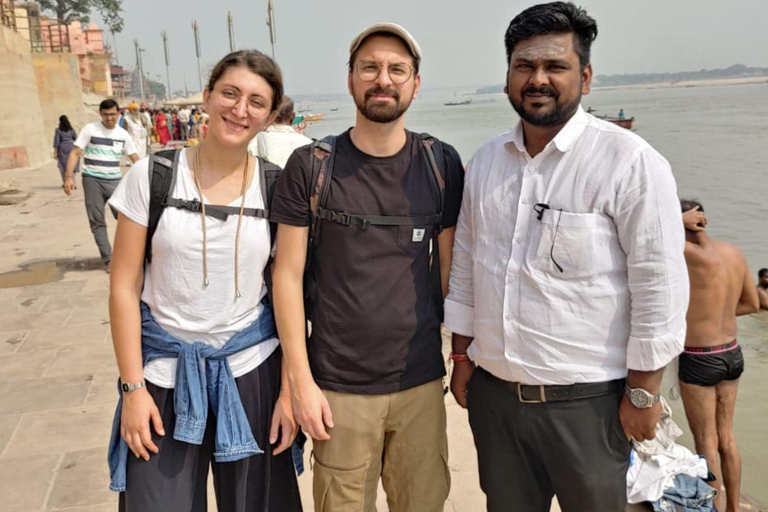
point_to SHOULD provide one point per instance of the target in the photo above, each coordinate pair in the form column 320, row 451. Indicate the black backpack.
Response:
column 163, row 168
column 322, row 154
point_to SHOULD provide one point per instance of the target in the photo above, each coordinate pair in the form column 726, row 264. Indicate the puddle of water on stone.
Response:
column 47, row 271
column 12, row 196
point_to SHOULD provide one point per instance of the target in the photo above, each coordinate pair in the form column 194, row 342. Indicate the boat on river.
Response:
column 313, row 117
column 624, row 122
column 458, row 101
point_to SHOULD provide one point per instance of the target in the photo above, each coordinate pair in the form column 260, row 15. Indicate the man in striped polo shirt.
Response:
column 103, row 144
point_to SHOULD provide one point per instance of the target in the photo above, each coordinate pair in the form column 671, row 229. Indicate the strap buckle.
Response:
column 341, row 218
column 542, row 397
column 194, row 206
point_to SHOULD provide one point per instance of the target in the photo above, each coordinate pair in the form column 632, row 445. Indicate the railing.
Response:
column 45, row 35
column 8, row 13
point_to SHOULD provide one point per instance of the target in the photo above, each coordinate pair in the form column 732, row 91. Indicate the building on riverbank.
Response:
column 47, row 65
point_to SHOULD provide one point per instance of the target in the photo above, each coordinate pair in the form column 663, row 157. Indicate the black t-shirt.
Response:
column 375, row 323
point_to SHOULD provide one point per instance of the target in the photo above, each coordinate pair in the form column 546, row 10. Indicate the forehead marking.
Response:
column 539, row 50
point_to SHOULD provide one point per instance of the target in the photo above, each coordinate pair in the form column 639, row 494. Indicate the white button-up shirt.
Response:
column 277, row 143
column 610, row 219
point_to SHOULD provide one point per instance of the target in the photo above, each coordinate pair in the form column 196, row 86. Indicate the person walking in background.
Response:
column 161, row 128
column 63, row 140
column 194, row 124
column 184, row 122
column 712, row 362
column 367, row 386
column 176, row 132
column 134, row 125
column 146, row 119
column 278, row 141
column 568, row 288
column 103, row 143
column 762, row 287
column 194, row 338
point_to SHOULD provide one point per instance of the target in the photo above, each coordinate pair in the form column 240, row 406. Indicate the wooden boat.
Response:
column 624, row 122
column 313, row 117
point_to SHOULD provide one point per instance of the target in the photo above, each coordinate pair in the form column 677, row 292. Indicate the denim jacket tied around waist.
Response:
column 202, row 375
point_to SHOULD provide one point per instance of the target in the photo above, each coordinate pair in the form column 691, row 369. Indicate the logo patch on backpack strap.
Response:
column 418, row 235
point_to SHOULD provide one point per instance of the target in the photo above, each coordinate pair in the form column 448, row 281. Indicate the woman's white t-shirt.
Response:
column 173, row 282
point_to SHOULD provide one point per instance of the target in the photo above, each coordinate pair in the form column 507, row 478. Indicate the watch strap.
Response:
column 127, row 387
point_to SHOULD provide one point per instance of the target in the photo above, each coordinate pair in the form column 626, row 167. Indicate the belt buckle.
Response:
column 542, row 397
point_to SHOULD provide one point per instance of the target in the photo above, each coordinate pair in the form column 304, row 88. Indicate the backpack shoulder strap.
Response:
column 321, row 154
column 163, row 167
column 269, row 174
column 436, row 158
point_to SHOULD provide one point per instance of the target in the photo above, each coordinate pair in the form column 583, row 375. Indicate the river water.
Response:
column 716, row 139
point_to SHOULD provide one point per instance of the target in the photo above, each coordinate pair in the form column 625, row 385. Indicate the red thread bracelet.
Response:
column 456, row 358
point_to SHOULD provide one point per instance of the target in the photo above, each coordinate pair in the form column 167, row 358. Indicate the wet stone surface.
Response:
column 47, row 271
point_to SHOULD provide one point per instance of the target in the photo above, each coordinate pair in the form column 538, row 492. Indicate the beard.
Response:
column 558, row 115
column 381, row 112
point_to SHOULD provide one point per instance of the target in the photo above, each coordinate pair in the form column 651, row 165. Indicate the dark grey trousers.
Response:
column 97, row 192
column 527, row 453
column 176, row 478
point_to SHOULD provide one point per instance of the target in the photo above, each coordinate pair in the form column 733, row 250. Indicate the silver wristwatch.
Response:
column 128, row 387
column 641, row 398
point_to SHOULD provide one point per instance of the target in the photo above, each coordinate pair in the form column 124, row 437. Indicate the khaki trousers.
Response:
column 400, row 437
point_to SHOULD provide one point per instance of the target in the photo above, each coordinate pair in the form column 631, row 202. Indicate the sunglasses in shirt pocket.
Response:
column 565, row 245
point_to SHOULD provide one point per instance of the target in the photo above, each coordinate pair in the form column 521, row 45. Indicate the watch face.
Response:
column 640, row 399
column 126, row 387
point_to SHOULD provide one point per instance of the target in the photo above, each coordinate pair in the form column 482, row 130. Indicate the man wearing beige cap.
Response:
column 376, row 206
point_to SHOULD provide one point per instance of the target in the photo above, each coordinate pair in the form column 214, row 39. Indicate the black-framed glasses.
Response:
column 369, row 70
column 539, row 208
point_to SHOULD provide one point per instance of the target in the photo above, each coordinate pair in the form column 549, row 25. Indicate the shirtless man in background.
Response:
column 762, row 287
column 721, row 289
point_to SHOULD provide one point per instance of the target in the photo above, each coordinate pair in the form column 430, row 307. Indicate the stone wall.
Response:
column 59, row 91
column 23, row 141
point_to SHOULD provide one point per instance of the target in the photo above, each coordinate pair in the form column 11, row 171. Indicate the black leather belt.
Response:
column 541, row 394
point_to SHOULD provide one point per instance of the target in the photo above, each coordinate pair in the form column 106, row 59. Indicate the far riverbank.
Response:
column 690, row 83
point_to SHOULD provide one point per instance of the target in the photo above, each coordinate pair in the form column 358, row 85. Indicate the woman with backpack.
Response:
column 63, row 139
column 194, row 337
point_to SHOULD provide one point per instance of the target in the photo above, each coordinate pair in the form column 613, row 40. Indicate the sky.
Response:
column 462, row 42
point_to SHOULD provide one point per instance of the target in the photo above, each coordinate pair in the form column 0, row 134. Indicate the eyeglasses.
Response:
column 255, row 105
column 539, row 209
column 369, row 70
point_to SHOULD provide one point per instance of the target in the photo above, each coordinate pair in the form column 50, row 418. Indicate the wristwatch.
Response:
column 641, row 398
column 128, row 387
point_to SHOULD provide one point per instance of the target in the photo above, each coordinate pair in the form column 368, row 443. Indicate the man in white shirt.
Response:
column 184, row 114
column 134, row 125
column 103, row 144
column 568, row 281
column 278, row 141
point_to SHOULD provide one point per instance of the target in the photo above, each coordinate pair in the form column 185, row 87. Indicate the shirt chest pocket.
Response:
column 569, row 245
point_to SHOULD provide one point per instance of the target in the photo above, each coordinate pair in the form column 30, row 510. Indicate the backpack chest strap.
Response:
column 352, row 219
column 215, row 211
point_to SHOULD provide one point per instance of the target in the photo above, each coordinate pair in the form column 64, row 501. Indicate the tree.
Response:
column 80, row 10
column 156, row 89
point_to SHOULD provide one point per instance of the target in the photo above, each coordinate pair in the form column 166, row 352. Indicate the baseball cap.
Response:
column 389, row 28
